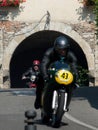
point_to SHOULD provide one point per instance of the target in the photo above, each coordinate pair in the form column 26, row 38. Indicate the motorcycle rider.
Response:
column 34, row 70
column 61, row 49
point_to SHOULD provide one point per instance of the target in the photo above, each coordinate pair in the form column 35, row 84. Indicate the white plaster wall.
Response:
column 60, row 10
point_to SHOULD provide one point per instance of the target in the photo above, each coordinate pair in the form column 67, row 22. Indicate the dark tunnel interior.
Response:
column 33, row 47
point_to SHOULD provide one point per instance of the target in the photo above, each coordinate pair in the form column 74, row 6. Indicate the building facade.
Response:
column 28, row 30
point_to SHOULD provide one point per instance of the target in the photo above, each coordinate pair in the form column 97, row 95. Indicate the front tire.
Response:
column 57, row 117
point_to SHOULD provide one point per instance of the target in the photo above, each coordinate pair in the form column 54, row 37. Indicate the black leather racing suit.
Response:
column 29, row 73
column 38, row 81
column 51, row 56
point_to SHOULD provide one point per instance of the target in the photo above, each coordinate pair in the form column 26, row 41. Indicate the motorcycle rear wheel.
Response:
column 45, row 118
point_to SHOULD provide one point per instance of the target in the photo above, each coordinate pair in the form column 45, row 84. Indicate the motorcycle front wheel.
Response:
column 57, row 117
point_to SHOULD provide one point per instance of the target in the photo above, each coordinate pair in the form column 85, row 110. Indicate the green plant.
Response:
column 95, row 4
column 90, row 2
column 4, row 3
column 96, row 16
column 83, row 76
column 87, row 2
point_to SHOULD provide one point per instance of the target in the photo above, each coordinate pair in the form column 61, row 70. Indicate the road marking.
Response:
column 68, row 116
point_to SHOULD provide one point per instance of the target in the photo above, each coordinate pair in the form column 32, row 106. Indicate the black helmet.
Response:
column 61, row 42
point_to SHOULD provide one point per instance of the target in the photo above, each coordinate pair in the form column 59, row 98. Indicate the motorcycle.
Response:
column 56, row 96
column 31, row 83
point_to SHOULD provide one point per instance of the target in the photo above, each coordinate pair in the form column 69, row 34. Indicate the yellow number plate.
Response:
column 64, row 77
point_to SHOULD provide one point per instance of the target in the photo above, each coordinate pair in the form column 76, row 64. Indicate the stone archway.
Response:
column 58, row 27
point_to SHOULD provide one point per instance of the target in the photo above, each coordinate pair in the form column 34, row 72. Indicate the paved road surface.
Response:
column 13, row 104
column 84, row 105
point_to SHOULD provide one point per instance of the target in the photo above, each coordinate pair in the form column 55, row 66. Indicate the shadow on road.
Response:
column 88, row 93
column 39, row 122
column 21, row 92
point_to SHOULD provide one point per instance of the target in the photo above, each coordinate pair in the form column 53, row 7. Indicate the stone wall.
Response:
column 15, row 30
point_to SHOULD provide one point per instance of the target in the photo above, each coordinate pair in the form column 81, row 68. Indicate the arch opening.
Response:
column 33, row 47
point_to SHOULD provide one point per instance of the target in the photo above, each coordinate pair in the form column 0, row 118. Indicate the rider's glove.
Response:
column 46, row 79
column 23, row 77
column 77, row 85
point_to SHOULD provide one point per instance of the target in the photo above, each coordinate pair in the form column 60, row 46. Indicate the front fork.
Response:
column 65, row 103
column 55, row 99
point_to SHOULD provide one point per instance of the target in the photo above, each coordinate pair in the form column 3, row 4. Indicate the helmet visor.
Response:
column 62, row 52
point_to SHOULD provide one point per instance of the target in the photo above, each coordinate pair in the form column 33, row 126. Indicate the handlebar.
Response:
column 25, row 78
